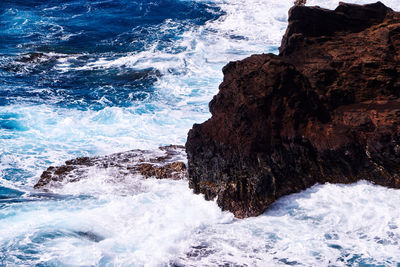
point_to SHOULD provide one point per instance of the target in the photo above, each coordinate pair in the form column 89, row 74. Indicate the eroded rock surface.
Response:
column 167, row 162
column 327, row 109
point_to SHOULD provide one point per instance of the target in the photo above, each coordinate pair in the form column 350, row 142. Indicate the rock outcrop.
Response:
column 327, row 109
column 167, row 162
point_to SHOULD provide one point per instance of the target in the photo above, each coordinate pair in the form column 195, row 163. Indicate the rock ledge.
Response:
column 166, row 162
column 327, row 109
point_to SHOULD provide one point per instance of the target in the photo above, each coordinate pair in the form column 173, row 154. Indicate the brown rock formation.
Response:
column 327, row 109
column 161, row 164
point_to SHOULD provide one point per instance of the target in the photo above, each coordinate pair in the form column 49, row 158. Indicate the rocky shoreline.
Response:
column 326, row 109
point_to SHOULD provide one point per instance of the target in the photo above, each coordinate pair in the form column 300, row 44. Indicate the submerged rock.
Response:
column 32, row 57
column 327, row 109
column 167, row 162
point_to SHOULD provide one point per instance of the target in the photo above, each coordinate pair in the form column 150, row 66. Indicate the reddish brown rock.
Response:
column 327, row 109
column 300, row 2
column 165, row 163
column 175, row 170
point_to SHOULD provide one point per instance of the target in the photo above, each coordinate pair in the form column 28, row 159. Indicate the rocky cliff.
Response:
column 327, row 109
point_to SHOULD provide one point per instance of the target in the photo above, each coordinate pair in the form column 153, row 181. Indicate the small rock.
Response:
column 168, row 165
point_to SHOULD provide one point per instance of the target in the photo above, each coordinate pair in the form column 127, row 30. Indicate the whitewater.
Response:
column 84, row 78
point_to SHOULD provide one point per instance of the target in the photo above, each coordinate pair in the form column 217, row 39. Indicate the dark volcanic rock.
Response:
column 327, row 109
column 161, row 164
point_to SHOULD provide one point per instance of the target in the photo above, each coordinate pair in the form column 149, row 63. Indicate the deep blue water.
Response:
column 37, row 34
column 84, row 78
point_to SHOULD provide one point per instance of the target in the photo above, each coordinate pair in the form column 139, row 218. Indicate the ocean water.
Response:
column 84, row 78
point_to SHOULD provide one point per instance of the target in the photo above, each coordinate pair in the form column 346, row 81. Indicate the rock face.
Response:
column 327, row 109
column 167, row 162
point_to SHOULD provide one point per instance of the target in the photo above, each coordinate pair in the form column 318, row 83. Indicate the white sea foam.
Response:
column 146, row 228
column 165, row 223
column 338, row 225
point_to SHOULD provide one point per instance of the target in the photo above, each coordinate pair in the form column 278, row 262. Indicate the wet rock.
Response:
column 90, row 236
column 327, row 109
column 300, row 2
column 32, row 57
column 39, row 57
column 175, row 170
column 165, row 163
column 33, row 62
